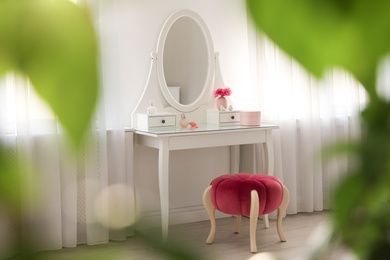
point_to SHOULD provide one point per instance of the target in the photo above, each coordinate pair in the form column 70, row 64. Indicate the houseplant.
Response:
column 53, row 43
column 354, row 35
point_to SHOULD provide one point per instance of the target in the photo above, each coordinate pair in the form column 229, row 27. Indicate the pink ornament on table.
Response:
column 193, row 125
column 183, row 120
column 221, row 94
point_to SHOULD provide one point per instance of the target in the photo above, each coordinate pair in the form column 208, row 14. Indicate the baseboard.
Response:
column 176, row 216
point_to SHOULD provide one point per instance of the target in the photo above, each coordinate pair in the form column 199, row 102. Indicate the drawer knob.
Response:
column 163, row 121
column 232, row 117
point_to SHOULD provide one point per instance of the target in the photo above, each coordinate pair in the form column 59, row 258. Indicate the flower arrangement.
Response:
column 222, row 92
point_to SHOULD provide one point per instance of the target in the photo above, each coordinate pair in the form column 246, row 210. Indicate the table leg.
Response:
column 234, row 158
column 163, row 176
column 269, row 154
column 129, row 140
column 268, row 150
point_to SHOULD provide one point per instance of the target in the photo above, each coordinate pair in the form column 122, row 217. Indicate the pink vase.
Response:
column 221, row 101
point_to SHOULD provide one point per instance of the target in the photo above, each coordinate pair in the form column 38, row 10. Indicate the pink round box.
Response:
column 250, row 117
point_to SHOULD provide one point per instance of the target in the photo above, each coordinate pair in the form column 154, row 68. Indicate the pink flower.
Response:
column 222, row 92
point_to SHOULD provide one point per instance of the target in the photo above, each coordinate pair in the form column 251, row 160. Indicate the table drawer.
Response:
column 145, row 121
column 156, row 121
column 223, row 117
column 230, row 117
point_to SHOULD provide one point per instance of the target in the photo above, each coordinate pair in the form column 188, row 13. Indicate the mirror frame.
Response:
column 208, row 86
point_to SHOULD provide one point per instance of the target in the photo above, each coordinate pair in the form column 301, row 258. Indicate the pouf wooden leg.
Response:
column 266, row 221
column 208, row 204
column 237, row 227
column 254, row 213
column 281, row 212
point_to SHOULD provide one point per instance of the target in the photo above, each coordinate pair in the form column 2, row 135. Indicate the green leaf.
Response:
column 352, row 34
column 53, row 42
column 9, row 178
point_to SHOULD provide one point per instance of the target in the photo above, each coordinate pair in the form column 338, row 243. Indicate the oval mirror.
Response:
column 185, row 61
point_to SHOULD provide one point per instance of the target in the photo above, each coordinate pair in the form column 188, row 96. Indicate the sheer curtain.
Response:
column 67, row 198
column 311, row 114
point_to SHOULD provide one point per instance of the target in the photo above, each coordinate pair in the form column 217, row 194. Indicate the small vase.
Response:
column 151, row 110
column 221, row 101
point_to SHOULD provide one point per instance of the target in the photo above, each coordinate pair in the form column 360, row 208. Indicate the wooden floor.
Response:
column 227, row 245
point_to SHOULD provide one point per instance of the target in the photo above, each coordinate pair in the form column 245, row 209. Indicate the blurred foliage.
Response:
column 354, row 35
column 54, row 44
column 9, row 179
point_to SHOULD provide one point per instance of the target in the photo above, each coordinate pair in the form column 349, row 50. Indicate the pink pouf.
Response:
column 231, row 193
column 244, row 194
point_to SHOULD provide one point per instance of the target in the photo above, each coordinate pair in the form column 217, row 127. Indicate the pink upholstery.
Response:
column 231, row 193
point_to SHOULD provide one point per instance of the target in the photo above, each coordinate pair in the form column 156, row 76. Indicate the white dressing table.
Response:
column 185, row 58
column 206, row 135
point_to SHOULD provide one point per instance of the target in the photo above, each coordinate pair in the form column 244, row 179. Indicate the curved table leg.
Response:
column 254, row 214
column 211, row 212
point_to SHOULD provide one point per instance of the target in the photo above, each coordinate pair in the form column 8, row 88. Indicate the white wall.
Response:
column 129, row 33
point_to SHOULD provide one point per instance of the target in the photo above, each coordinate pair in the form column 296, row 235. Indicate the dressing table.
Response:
column 196, row 73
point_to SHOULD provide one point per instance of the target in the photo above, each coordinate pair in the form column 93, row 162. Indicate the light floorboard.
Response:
column 298, row 229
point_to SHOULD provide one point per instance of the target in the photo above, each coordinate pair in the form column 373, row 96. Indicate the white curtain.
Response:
column 67, row 198
column 311, row 114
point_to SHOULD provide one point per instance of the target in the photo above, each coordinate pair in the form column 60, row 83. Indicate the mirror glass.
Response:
column 185, row 61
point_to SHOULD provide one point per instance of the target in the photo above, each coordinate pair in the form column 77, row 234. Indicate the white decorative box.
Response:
column 250, row 118
column 175, row 92
column 145, row 121
column 217, row 117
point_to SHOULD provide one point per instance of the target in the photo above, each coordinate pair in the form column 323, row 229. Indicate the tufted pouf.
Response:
column 244, row 194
